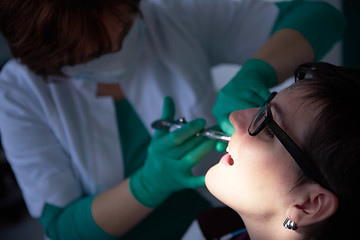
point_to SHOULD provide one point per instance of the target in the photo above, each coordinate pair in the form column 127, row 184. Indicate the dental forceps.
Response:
column 176, row 124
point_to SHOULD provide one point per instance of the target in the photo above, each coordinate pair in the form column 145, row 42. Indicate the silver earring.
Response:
column 289, row 224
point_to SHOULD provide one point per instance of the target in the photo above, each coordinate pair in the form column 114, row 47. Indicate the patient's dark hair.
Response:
column 48, row 34
column 333, row 141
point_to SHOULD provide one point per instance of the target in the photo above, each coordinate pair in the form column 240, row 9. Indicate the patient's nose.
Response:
column 241, row 119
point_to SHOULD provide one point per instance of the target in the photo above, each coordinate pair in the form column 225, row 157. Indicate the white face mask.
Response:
column 112, row 67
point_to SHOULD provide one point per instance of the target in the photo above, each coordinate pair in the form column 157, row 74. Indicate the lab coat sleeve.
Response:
column 73, row 222
column 42, row 167
column 231, row 31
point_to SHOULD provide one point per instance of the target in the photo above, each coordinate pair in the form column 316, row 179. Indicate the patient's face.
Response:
column 258, row 176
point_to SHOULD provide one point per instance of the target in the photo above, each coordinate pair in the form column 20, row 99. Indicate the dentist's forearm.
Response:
column 116, row 211
column 284, row 51
column 304, row 31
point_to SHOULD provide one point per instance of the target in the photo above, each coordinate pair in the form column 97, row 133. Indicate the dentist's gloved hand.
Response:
column 170, row 158
column 248, row 89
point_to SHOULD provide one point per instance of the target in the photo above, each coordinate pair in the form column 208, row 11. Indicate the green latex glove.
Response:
column 249, row 88
column 170, row 158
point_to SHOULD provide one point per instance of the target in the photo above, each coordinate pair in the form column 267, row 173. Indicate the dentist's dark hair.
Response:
column 333, row 141
column 45, row 35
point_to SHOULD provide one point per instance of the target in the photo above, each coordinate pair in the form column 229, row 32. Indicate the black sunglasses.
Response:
column 264, row 118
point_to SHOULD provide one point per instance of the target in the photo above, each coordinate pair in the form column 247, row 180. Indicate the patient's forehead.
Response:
column 298, row 113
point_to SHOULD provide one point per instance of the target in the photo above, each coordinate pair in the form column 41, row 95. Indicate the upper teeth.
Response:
column 228, row 150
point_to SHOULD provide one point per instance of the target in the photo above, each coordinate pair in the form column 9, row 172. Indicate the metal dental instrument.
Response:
column 218, row 135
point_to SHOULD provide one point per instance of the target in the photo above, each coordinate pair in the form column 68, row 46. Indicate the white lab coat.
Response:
column 62, row 140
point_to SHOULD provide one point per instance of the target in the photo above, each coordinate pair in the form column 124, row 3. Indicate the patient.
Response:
column 292, row 166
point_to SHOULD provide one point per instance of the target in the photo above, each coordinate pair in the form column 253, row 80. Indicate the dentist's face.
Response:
column 257, row 175
column 116, row 30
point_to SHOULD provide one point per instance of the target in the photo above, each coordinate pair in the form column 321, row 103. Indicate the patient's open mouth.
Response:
column 227, row 160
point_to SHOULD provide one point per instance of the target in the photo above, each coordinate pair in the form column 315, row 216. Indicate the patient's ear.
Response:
column 313, row 205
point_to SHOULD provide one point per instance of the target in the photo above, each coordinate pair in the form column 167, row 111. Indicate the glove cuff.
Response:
column 323, row 25
column 266, row 72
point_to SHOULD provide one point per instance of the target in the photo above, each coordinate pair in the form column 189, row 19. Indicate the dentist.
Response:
column 89, row 76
